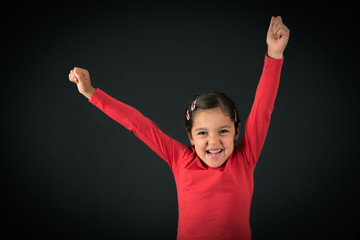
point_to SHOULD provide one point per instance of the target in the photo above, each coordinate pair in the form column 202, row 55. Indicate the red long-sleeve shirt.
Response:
column 214, row 204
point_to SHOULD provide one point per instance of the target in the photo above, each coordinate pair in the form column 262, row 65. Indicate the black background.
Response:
column 70, row 171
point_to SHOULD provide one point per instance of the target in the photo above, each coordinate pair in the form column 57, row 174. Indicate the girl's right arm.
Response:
column 167, row 148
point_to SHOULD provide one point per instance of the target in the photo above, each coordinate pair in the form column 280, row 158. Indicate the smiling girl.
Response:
column 214, row 178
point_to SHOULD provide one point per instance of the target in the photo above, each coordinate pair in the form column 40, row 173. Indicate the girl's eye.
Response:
column 224, row 131
column 201, row 133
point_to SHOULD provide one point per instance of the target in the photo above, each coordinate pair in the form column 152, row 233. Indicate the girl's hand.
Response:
column 82, row 79
column 277, row 38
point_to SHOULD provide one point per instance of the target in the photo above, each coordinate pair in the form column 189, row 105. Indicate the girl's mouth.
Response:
column 214, row 154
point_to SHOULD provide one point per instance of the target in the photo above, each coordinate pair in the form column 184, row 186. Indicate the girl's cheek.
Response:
column 200, row 144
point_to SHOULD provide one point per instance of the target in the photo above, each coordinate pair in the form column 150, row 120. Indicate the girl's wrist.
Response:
column 88, row 94
column 275, row 55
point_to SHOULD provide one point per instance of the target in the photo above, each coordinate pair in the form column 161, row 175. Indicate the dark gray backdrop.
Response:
column 70, row 171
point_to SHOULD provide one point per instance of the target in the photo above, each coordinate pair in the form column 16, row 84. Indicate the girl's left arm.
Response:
column 257, row 124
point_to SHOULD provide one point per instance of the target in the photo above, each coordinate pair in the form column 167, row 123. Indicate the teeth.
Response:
column 214, row 152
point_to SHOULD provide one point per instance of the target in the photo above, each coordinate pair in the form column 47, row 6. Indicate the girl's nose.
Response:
column 213, row 139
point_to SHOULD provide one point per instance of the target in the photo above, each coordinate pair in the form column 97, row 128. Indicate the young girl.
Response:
column 214, row 178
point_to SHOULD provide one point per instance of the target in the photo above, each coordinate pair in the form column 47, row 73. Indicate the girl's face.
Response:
column 213, row 134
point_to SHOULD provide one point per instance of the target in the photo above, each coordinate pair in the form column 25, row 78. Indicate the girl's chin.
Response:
column 214, row 161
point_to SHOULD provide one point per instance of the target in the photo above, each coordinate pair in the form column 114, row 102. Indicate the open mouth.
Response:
column 213, row 154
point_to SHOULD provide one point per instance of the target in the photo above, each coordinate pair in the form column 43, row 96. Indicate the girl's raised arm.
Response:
column 257, row 124
column 166, row 147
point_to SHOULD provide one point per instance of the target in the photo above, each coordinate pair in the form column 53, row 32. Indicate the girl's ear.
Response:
column 237, row 132
column 191, row 138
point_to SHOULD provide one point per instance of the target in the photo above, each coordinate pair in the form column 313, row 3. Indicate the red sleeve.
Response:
column 163, row 145
column 257, row 124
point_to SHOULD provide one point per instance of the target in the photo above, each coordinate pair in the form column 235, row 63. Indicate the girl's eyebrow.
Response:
column 225, row 126
column 204, row 129
column 200, row 129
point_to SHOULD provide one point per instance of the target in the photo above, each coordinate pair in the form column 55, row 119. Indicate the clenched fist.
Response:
column 277, row 37
column 82, row 79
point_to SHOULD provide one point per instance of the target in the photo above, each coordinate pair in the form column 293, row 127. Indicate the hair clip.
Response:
column 187, row 115
column 193, row 105
column 235, row 115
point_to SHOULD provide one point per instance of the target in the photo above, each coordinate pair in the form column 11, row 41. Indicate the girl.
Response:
column 214, row 178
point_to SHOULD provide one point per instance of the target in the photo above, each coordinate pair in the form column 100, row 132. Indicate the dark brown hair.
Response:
column 210, row 100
